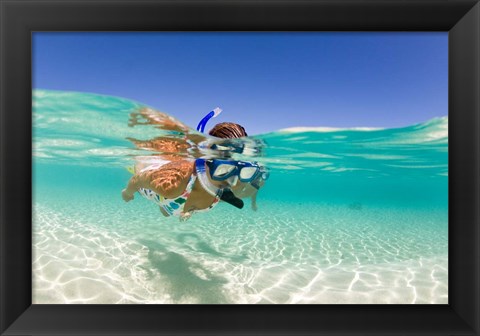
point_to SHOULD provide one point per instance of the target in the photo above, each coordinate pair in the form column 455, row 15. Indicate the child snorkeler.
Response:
column 181, row 185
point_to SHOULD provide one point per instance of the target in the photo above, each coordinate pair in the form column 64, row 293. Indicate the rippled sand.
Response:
column 98, row 252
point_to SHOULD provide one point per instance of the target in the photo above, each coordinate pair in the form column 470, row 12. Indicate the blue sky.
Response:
column 264, row 81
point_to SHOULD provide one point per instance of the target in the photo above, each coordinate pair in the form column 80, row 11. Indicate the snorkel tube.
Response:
column 201, row 125
column 230, row 198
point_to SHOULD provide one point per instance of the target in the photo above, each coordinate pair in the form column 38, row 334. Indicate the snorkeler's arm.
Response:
column 245, row 190
column 136, row 182
column 169, row 180
column 254, row 201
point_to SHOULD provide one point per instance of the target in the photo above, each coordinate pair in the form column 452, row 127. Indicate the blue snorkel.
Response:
column 201, row 125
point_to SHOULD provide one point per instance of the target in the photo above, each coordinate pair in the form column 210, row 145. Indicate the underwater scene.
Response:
column 343, row 216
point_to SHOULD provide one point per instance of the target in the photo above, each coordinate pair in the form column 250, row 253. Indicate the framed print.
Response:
column 373, row 221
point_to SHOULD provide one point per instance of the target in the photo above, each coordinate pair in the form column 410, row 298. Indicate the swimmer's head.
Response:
column 228, row 130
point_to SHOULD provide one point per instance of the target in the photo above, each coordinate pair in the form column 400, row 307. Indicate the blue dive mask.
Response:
column 221, row 170
column 225, row 194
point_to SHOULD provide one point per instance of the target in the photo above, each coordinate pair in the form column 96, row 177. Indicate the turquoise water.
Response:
column 347, row 216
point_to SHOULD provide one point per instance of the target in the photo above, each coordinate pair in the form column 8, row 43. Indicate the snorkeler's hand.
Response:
column 185, row 216
column 126, row 196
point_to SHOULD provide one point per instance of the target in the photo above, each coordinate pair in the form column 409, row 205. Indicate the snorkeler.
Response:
column 183, row 186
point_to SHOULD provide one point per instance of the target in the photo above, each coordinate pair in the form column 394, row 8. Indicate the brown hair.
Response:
column 228, row 130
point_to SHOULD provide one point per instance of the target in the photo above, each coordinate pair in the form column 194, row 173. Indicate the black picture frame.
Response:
column 19, row 18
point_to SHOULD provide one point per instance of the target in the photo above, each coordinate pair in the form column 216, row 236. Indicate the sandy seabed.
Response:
column 341, row 256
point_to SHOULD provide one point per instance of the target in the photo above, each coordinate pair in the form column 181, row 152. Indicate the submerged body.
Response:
column 177, row 190
column 172, row 181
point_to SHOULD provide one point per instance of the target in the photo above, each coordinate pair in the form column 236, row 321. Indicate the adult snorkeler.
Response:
column 184, row 186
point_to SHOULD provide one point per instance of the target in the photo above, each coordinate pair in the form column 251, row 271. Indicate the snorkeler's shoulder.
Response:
column 171, row 179
column 185, row 166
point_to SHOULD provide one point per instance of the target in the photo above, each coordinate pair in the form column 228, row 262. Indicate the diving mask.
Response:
column 221, row 170
column 225, row 194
